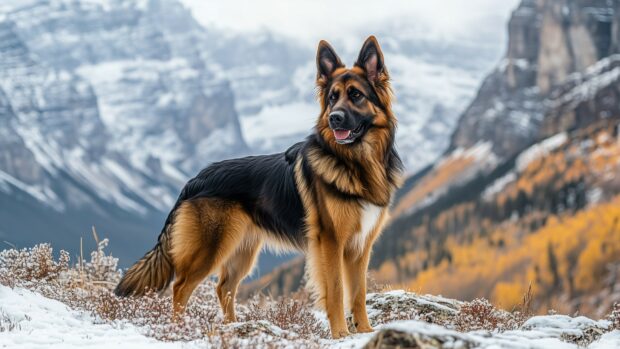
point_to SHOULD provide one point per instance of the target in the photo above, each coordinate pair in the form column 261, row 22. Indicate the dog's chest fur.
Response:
column 369, row 218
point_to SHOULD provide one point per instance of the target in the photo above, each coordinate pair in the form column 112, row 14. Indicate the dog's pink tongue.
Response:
column 341, row 134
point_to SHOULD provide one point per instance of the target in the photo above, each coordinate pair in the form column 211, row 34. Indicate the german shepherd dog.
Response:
column 327, row 196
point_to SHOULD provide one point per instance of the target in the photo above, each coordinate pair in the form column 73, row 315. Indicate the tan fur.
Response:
column 336, row 266
column 211, row 234
column 151, row 272
column 233, row 271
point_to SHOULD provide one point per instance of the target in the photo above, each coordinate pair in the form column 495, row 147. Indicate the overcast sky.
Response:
column 334, row 19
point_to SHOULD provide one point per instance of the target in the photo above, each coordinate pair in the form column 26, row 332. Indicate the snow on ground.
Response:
column 46, row 323
column 608, row 340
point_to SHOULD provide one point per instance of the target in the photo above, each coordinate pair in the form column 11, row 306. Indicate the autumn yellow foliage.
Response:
column 568, row 255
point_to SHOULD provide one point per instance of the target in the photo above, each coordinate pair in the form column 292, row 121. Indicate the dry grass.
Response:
column 614, row 317
column 32, row 265
column 87, row 285
column 293, row 313
column 479, row 314
column 7, row 324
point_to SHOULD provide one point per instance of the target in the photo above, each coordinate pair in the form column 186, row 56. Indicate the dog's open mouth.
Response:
column 347, row 136
column 341, row 135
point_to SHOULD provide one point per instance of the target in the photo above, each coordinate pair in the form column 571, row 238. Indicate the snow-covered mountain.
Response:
column 107, row 107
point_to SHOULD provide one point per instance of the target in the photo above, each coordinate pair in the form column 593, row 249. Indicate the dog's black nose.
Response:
column 336, row 118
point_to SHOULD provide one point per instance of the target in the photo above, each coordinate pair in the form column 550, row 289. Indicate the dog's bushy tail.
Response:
column 153, row 272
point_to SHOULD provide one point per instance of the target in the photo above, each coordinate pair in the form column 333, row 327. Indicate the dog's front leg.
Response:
column 332, row 254
column 356, row 268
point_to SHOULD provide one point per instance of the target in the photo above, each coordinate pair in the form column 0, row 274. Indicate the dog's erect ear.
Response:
column 326, row 60
column 371, row 59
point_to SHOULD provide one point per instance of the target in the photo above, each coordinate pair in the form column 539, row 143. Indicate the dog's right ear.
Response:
column 326, row 61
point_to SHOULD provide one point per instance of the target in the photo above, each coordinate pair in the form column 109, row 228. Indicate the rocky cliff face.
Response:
column 548, row 41
column 147, row 63
column 570, row 41
column 584, row 98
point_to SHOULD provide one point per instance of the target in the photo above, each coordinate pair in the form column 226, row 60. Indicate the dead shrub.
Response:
column 524, row 311
column 100, row 271
column 88, row 286
column 32, row 264
column 480, row 314
column 293, row 313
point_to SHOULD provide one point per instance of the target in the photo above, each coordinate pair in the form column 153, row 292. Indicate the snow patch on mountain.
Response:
column 540, row 149
column 43, row 194
column 272, row 122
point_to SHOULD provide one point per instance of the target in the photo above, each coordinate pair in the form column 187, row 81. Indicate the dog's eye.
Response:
column 333, row 97
column 355, row 94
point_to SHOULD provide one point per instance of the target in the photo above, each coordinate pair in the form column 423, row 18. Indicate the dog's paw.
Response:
column 364, row 329
column 337, row 334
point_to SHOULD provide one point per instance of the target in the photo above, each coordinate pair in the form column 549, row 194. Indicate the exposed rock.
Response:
column 401, row 305
column 584, row 98
column 578, row 330
column 548, row 41
column 15, row 159
column 250, row 329
column 538, row 332
column 393, row 338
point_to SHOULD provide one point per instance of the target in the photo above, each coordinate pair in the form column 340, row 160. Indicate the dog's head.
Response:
column 355, row 102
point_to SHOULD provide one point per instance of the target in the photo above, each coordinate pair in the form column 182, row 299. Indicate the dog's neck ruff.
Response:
column 366, row 177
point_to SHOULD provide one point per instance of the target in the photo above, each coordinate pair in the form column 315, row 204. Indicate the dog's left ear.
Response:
column 371, row 59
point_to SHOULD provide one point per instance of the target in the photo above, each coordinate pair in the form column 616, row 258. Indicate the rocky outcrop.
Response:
column 146, row 63
column 572, row 39
column 584, row 98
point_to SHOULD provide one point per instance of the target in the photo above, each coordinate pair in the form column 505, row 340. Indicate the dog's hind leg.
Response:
column 206, row 233
column 236, row 268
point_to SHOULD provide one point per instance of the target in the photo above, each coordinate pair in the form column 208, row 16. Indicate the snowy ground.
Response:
column 44, row 323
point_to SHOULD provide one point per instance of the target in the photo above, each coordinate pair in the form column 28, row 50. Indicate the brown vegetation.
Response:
column 88, row 285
